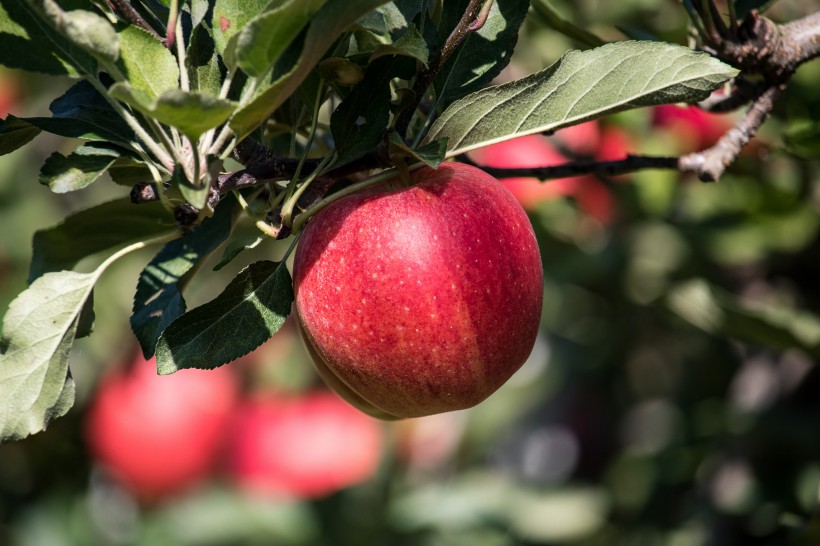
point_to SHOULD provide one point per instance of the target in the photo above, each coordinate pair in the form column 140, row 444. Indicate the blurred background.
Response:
column 671, row 399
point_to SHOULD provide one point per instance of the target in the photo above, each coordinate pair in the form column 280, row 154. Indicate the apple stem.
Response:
column 404, row 172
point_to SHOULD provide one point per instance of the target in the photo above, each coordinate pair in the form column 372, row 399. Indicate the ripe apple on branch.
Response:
column 327, row 104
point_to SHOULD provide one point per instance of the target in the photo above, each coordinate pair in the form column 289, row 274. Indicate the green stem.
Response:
column 153, row 147
column 287, row 209
column 302, row 219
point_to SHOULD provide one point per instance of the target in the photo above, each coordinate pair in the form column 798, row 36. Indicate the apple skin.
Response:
column 422, row 299
column 159, row 435
column 306, row 446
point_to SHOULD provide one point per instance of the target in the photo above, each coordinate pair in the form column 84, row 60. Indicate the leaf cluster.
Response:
column 166, row 91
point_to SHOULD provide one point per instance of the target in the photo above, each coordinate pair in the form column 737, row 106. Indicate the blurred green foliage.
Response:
column 671, row 398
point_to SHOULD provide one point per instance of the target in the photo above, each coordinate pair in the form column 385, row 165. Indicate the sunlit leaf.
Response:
column 192, row 113
column 38, row 330
column 581, row 86
column 261, row 42
column 149, row 65
column 80, row 168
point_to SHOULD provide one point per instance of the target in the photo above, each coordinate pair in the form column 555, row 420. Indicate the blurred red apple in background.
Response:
column 692, row 128
column 9, row 91
column 420, row 299
column 158, row 435
column 305, row 446
column 585, row 140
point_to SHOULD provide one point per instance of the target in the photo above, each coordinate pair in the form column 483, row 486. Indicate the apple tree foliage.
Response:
column 166, row 111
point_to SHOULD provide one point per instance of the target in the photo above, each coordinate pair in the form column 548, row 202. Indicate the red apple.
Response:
column 307, row 446
column 423, row 299
column 158, row 435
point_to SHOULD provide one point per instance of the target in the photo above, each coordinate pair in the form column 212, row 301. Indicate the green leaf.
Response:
column 261, row 42
column 29, row 43
column 15, row 133
column 581, row 86
column 483, row 54
column 204, row 70
column 192, row 113
column 149, row 65
column 83, row 113
column 340, row 71
column 127, row 171
column 93, row 230
column 79, row 169
column 552, row 18
column 392, row 19
column 38, row 330
column 239, row 243
column 229, row 16
column 359, row 122
column 84, row 29
column 410, row 44
column 431, row 154
column 247, row 313
column 158, row 300
column 719, row 313
column 325, row 28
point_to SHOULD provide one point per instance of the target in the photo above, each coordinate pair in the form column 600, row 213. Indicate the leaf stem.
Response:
column 161, row 239
column 161, row 155
column 387, row 174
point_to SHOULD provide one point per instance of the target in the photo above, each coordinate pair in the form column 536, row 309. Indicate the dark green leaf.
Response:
column 29, row 43
column 483, row 54
column 333, row 19
column 149, row 65
column 340, row 71
column 15, row 133
column 127, row 171
column 79, row 169
column 246, row 314
column 83, row 113
column 158, row 300
column 431, row 154
column 238, row 244
column 192, row 113
column 83, row 29
column 93, row 230
column 581, row 86
column 359, row 122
